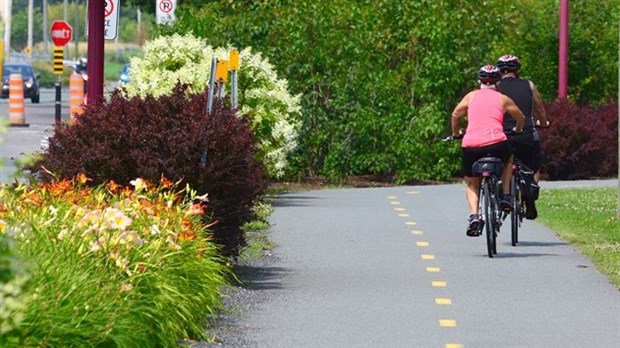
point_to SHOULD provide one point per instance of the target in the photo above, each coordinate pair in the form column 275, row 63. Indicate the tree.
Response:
column 19, row 28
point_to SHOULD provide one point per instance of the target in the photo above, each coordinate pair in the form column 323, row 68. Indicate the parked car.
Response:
column 31, row 80
column 125, row 77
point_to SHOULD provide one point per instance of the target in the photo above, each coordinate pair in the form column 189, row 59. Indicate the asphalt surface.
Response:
column 392, row 267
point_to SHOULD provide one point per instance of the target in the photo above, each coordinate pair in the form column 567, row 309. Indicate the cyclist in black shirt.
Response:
column 524, row 93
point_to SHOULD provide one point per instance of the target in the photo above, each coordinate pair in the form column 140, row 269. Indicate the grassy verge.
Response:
column 586, row 218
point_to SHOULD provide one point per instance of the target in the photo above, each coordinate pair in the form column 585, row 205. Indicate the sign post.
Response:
column 61, row 33
column 234, row 67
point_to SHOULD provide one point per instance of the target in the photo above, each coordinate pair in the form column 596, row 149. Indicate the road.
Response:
column 17, row 141
column 40, row 118
column 392, row 267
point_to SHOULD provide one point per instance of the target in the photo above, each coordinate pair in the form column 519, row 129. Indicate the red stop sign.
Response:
column 61, row 33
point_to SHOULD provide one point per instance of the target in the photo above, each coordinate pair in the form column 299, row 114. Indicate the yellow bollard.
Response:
column 76, row 97
column 16, row 101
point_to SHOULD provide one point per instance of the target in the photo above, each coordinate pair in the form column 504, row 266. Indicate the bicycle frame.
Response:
column 517, row 184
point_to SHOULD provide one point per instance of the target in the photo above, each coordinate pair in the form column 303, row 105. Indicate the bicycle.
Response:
column 518, row 187
column 490, row 169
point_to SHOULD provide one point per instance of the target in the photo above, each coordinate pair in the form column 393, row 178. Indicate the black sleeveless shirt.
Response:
column 521, row 93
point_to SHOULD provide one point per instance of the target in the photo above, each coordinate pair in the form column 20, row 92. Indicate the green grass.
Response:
column 586, row 218
column 112, row 71
column 257, row 233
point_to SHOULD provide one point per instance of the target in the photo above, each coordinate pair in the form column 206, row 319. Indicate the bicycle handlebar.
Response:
column 452, row 137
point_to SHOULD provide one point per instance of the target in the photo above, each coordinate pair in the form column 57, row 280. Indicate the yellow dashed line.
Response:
column 443, row 301
column 435, row 283
column 447, row 322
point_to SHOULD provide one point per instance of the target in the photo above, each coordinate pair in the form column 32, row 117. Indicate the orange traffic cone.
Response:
column 16, row 101
column 76, row 96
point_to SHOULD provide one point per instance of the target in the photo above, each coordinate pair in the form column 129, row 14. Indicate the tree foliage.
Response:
column 380, row 78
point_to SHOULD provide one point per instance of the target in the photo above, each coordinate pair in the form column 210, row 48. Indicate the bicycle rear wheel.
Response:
column 516, row 209
column 495, row 215
column 489, row 220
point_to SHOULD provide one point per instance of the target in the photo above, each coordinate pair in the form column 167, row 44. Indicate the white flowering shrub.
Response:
column 265, row 98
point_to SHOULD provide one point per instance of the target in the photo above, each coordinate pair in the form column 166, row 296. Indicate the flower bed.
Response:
column 109, row 266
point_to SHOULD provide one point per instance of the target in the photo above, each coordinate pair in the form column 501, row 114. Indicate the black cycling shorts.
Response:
column 501, row 150
column 529, row 154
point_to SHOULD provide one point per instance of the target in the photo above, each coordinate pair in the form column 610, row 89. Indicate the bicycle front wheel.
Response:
column 489, row 220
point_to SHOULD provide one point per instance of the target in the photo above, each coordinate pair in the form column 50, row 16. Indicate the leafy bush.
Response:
column 123, row 139
column 110, row 266
column 263, row 97
column 582, row 142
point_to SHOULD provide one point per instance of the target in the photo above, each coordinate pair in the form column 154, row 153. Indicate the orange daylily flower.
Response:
column 196, row 209
column 112, row 186
column 82, row 179
column 187, row 233
column 60, row 187
column 165, row 183
column 127, row 191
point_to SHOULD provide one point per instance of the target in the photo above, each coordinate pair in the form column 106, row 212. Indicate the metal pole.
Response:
column 45, row 26
column 234, row 90
column 57, row 103
column 205, row 152
column 30, row 28
column 8, row 8
column 563, row 54
column 618, row 213
column 221, row 89
column 96, row 15
column 76, row 31
column 66, row 18
column 211, row 85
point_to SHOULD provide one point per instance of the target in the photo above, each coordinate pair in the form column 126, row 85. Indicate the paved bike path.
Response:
column 392, row 267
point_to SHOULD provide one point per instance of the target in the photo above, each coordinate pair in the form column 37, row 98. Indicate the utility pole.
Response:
column 8, row 10
column 76, row 31
column 30, row 16
column 563, row 54
column 96, row 15
column 66, row 18
column 45, row 26
column 139, row 28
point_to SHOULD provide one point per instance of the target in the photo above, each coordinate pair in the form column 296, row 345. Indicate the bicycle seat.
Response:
column 492, row 165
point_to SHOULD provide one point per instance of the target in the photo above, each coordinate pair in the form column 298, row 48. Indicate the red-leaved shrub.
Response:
column 581, row 143
column 123, row 139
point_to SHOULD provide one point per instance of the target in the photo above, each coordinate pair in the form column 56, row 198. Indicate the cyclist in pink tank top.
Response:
column 484, row 136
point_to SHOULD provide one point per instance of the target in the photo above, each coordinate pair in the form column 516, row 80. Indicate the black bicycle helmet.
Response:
column 488, row 75
column 508, row 63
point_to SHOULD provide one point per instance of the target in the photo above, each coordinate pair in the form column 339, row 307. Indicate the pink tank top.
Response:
column 485, row 116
